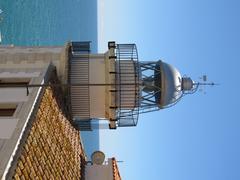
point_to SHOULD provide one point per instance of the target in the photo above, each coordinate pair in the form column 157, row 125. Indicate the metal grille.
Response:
column 79, row 74
column 128, row 91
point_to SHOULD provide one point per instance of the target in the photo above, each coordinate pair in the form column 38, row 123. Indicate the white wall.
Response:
column 99, row 172
column 97, row 93
column 7, row 126
column 13, row 95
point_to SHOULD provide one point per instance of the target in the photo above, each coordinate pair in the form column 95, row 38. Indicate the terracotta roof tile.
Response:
column 116, row 174
column 52, row 149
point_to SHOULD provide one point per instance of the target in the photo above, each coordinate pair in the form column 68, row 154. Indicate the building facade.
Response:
column 36, row 133
column 107, row 171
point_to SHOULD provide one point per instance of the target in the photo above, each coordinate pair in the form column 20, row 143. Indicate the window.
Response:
column 7, row 109
column 14, row 81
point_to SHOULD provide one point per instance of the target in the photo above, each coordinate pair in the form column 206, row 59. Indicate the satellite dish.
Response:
column 98, row 157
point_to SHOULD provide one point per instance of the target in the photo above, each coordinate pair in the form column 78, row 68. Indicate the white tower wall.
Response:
column 97, row 93
column 88, row 96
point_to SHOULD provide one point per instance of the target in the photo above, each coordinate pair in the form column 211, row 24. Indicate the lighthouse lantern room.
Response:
column 117, row 87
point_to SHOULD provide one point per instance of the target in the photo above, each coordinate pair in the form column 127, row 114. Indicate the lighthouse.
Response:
column 114, row 87
column 117, row 87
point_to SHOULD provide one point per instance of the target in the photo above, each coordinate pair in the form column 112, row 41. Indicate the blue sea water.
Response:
column 51, row 22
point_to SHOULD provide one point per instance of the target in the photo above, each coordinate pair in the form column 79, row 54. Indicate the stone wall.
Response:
column 52, row 149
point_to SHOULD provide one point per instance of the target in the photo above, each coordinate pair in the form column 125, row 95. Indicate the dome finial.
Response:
column 190, row 87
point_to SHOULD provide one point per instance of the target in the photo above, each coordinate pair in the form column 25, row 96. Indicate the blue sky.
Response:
column 199, row 137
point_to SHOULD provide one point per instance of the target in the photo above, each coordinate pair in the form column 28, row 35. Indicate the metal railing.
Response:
column 79, row 74
column 128, row 91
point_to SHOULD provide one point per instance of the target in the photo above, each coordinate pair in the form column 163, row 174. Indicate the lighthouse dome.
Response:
column 170, row 80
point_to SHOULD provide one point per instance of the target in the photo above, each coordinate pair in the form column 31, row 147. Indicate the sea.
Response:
column 51, row 22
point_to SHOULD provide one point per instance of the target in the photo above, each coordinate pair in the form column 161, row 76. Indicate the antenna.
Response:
column 201, row 86
column 120, row 161
column 204, row 77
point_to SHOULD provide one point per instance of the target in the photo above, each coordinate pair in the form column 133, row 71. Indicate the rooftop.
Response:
column 44, row 143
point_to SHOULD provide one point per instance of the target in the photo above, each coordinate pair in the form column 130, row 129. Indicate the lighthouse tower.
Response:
column 113, row 86
column 117, row 87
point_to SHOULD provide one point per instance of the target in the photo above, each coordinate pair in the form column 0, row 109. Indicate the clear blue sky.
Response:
column 198, row 139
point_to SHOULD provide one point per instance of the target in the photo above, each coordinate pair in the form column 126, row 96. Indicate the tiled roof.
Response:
column 52, row 149
column 116, row 174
